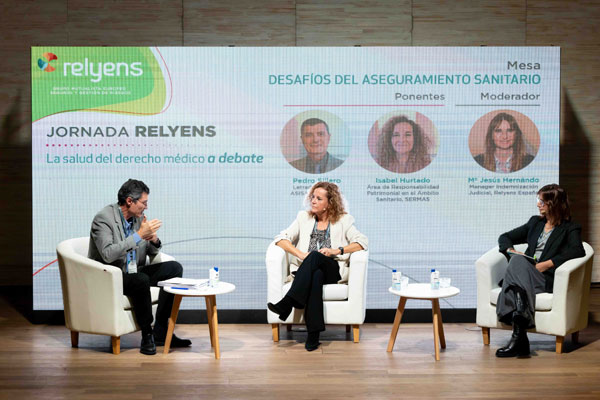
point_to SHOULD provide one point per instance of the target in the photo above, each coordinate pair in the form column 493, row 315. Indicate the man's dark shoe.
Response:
column 148, row 347
column 175, row 341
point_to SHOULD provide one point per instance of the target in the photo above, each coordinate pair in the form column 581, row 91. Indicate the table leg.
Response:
column 436, row 330
column 215, row 325
column 396, row 325
column 441, row 323
column 172, row 320
column 209, row 320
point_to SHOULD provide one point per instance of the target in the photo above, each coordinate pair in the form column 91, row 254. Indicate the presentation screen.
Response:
column 437, row 151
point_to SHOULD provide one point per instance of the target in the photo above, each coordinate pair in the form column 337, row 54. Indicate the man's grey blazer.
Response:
column 305, row 164
column 108, row 243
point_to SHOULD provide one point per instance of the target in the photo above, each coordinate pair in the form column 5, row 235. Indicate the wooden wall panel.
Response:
column 573, row 27
column 125, row 23
column 560, row 22
column 237, row 23
column 468, row 23
column 349, row 23
column 22, row 24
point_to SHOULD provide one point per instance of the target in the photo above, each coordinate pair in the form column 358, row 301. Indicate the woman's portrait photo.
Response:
column 504, row 141
column 403, row 142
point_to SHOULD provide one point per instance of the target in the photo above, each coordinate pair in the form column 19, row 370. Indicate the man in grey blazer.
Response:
column 315, row 136
column 122, row 236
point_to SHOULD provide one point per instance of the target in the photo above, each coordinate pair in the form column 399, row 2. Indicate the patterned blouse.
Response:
column 319, row 239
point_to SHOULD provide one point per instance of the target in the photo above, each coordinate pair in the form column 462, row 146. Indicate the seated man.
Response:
column 122, row 236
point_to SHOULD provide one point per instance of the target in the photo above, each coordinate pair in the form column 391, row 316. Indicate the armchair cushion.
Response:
column 543, row 301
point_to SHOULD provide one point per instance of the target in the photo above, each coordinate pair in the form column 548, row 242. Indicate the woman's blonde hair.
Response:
column 336, row 209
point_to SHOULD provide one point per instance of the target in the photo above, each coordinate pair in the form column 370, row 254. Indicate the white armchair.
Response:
column 559, row 313
column 93, row 294
column 343, row 304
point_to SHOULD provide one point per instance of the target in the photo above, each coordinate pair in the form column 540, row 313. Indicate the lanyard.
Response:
column 131, row 261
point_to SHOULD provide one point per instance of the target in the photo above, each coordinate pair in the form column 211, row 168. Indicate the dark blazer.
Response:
column 563, row 244
column 108, row 243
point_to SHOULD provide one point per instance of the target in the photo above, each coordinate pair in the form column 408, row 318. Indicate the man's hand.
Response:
column 154, row 239
column 148, row 229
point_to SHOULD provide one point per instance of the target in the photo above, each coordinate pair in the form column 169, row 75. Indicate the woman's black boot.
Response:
column 522, row 315
column 518, row 344
column 312, row 341
column 283, row 308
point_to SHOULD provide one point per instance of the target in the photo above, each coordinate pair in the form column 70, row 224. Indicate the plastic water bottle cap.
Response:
column 217, row 269
column 432, row 269
column 393, row 270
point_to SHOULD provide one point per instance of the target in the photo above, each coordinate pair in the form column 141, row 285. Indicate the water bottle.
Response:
column 396, row 279
column 434, row 279
column 213, row 277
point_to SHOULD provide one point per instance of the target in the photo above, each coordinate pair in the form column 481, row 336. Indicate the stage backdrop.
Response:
column 215, row 134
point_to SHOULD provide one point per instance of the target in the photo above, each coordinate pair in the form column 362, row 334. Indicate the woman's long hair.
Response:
column 557, row 200
column 418, row 158
column 518, row 147
column 336, row 209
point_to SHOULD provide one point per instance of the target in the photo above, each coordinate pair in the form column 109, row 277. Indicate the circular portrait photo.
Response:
column 403, row 141
column 315, row 142
column 504, row 141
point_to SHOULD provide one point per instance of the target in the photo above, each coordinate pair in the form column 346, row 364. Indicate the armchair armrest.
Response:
column 571, row 289
column 277, row 265
column 92, row 293
column 357, row 285
column 490, row 268
column 357, row 278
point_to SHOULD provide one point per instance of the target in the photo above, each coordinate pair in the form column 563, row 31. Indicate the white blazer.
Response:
column 342, row 233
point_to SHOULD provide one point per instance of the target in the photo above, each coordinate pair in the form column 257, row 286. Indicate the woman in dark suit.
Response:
column 552, row 239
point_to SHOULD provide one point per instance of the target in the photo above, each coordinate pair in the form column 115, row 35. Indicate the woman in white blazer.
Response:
column 320, row 241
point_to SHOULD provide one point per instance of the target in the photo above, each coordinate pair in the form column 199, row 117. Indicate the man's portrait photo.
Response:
column 315, row 142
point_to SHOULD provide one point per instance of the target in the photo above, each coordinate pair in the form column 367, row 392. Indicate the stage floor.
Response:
column 37, row 361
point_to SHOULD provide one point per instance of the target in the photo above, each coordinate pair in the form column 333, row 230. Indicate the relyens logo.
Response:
column 99, row 70
column 44, row 62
